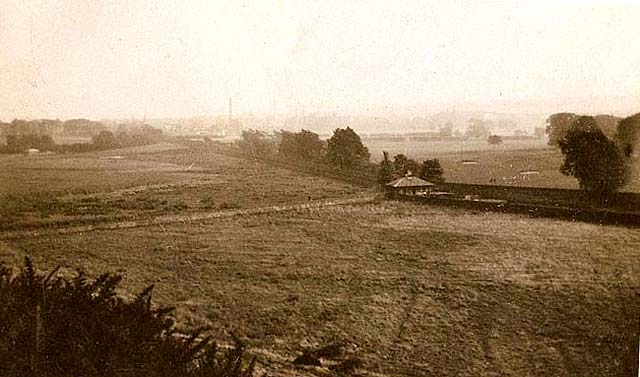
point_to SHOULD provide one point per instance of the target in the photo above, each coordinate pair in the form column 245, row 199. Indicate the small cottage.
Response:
column 409, row 185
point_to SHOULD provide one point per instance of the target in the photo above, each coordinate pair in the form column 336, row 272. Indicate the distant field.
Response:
column 505, row 167
column 424, row 149
column 145, row 181
column 411, row 290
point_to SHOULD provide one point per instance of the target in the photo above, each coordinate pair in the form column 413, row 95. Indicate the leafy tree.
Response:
column 346, row 151
column 20, row 143
column 256, row 144
column 494, row 139
column 431, row 171
column 404, row 165
column 558, row 125
column 386, row 171
column 304, row 145
column 584, row 123
column 287, row 144
column 104, row 140
column 628, row 135
column 608, row 124
column 134, row 135
column 592, row 158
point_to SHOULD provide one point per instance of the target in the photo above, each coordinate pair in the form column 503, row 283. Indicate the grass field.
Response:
column 505, row 168
column 145, row 181
column 422, row 149
column 411, row 290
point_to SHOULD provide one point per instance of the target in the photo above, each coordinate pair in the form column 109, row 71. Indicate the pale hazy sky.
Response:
column 162, row 58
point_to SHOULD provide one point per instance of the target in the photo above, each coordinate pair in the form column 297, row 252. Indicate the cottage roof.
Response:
column 409, row 181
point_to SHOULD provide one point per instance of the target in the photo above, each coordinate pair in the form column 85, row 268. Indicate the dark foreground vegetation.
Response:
column 54, row 326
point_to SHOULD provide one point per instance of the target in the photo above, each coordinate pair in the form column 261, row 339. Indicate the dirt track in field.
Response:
column 63, row 227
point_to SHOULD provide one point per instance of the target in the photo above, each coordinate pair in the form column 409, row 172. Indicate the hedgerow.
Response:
column 55, row 326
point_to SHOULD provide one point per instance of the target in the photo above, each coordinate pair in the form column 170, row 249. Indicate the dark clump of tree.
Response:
column 628, row 135
column 608, row 124
column 388, row 170
column 55, row 127
column 431, row 171
column 256, row 144
column 405, row 166
column 53, row 326
column 137, row 136
column 21, row 143
column 103, row 140
column 593, row 159
column 558, row 125
column 304, row 146
column 494, row 139
column 106, row 140
column 343, row 156
column 345, row 150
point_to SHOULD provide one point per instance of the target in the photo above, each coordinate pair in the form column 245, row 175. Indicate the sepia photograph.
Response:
column 319, row 188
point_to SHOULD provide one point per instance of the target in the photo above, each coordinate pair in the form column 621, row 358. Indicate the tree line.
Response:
column 401, row 165
column 599, row 151
column 71, row 127
column 124, row 137
column 343, row 153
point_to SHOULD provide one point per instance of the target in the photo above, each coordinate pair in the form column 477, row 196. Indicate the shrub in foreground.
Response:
column 52, row 326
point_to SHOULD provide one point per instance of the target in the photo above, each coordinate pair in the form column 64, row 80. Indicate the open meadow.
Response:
column 286, row 262
column 412, row 290
column 135, row 183
column 421, row 149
